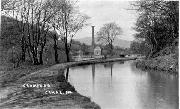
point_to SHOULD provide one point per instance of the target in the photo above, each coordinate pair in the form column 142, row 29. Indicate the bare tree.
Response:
column 55, row 39
column 108, row 33
column 68, row 22
column 37, row 17
column 33, row 17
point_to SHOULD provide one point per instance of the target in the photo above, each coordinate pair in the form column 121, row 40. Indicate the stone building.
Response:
column 97, row 51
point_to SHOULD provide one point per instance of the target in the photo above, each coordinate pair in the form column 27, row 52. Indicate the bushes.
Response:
column 164, row 63
column 14, row 56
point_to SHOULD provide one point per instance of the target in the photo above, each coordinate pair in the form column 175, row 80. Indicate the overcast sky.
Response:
column 106, row 11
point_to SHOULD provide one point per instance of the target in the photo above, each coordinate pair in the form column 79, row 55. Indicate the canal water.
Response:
column 120, row 85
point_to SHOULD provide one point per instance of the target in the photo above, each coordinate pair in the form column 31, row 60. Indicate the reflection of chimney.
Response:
column 93, row 43
column 93, row 74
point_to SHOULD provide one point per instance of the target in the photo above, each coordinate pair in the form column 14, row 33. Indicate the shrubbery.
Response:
column 14, row 56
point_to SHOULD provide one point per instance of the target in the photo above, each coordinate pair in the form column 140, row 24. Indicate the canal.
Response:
column 120, row 85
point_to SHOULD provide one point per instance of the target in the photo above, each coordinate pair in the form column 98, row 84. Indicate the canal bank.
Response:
column 33, row 97
column 162, row 63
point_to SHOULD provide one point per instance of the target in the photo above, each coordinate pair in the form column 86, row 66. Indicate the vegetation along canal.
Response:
column 120, row 85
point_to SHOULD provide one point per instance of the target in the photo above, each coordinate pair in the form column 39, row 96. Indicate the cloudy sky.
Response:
column 106, row 11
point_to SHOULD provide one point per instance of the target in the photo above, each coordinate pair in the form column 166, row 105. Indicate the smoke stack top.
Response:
column 93, row 42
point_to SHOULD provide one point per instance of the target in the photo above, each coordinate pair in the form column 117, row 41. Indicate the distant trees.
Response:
column 85, row 49
column 139, row 47
column 157, row 24
column 108, row 33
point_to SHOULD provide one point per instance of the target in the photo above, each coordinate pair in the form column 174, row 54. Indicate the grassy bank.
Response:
column 14, row 95
column 163, row 63
column 37, row 98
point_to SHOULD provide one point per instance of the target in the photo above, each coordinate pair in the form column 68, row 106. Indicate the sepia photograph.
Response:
column 89, row 54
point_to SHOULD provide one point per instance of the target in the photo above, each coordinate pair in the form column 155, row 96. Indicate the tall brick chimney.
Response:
column 93, row 43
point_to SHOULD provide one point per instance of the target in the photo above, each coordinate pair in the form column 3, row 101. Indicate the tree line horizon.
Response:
column 36, row 23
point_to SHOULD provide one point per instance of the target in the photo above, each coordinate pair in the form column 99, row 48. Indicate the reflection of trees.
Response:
column 121, row 62
column 63, row 75
column 81, row 67
column 136, row 70
column 164, row 88
column 60, row 77
column 67, row 74
column 111, row 70
column 160, row 90
column 108, row 65
column 84, row 66
column 156, row 89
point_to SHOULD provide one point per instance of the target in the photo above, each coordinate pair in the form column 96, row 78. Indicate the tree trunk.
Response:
column 23, row 44
column 67, row 51
column 36, row 62
column 23, row 52
column 67, row 54
column 35, row 58
column 29, row 53
column 66, row 38
column 56, row 54
column 41, row 57
column 111, row 48
column 55, row 50
column 23, row 55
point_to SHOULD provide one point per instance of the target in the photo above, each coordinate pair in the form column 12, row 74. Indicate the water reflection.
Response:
column 159, row 90
column 93, row 74
column 67, row 74
column 115, row 85
column 111, row 70
column 121, row 62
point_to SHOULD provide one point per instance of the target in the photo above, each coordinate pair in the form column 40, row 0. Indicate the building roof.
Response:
column 97, row 48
